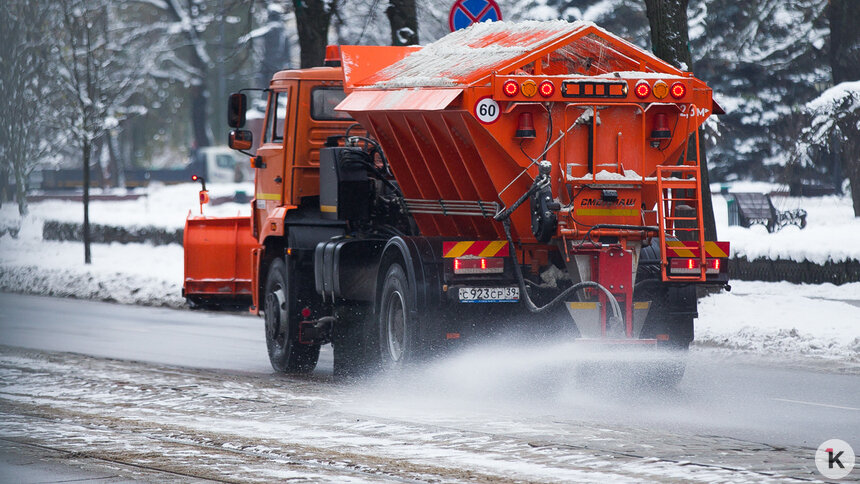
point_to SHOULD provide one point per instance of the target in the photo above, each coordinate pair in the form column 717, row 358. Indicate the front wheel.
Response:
column 286, row 354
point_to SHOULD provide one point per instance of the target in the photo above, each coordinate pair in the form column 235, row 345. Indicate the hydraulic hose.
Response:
column 504, row 216
column 532, row 307
column 506, row 213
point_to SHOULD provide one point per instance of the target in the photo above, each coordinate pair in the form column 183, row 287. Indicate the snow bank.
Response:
column 782, row 318
column 96, row 285
column 126, row 273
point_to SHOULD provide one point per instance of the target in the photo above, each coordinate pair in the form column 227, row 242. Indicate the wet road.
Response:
column 733, row 412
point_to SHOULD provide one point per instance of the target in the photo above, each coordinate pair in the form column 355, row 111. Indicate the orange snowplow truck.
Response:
column 540, row 175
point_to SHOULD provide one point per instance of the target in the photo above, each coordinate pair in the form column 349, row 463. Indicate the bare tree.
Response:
column 670, row 42
column 275, row 51
column 188, row 40
column 23, row 57
column 98, row 70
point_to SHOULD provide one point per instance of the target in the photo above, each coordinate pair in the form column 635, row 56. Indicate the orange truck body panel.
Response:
column 423, row 111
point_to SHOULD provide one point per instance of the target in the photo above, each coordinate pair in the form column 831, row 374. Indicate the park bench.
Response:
column 749, row 208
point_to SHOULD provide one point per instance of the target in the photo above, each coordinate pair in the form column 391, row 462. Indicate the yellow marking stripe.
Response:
column 269, row 196
column 582, row 305
column 611, row 212
column 492, row 249
column 459, row 249
column 713, row 250
column 680, row 249
column 328, row 208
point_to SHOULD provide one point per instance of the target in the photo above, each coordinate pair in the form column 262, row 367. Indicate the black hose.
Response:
column 352, row 158
column 378, row 149
column 506, row 213
column 353, row 125
column 504, row 216
column 532, row 307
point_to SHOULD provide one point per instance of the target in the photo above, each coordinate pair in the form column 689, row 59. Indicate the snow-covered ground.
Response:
column 778, row 318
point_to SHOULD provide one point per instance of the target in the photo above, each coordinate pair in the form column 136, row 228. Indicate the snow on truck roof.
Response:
column 469, row 56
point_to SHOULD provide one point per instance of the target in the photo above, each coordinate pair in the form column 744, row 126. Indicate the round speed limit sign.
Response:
column 487, row 110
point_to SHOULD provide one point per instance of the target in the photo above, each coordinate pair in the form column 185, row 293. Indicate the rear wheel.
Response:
column 397, row 329
column 672, row 314
column 673, row 310
column 286, row 354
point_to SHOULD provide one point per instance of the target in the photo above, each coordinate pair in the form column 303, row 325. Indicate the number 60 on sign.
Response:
column 487, row 110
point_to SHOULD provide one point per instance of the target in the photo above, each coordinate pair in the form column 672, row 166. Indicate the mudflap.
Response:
column 218, row 262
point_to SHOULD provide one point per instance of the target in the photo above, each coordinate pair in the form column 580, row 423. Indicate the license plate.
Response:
column 489, row 294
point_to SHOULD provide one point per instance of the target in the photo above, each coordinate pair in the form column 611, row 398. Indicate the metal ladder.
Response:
column 678, row 186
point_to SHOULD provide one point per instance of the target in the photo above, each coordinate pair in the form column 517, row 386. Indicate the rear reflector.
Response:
column 484, row 265
column 691, row 266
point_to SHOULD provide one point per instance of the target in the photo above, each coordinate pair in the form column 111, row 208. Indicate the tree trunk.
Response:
column 404, row 22
column 669, row 31
column 199, row 116
column 852, row 166
column 99, row 172
column 312, row 21
column 276, row 49
column 117, row 177
column 845, row 65
column 844, row 40
column 20, row 188
column 670, row 42
column 86, row 148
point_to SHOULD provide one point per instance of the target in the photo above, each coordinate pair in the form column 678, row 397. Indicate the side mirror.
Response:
column 240, row 139
column 236, row 107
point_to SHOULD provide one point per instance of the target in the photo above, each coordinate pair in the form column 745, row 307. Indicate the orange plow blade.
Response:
column 218, row 260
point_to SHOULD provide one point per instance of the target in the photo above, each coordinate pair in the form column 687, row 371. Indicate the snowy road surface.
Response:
column 158, row 394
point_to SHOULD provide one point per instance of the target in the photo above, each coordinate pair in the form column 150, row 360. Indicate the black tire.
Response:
column 352, row 355
column 673, row 311
column 280, row 309
column 397, row 330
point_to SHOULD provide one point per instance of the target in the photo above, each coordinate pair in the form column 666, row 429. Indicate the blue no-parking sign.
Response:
column 466, row 12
